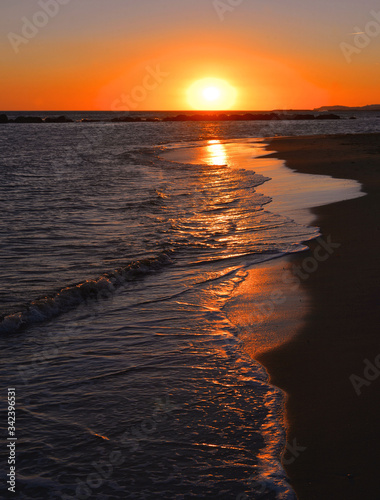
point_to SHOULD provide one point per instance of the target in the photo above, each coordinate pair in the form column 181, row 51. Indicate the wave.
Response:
column 70, row 297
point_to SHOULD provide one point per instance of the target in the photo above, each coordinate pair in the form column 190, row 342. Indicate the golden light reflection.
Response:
column 265, row 323
column 216, row 153
column 99, row 435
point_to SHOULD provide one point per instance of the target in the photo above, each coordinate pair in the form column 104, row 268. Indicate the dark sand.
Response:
column 339, row 429
column 327, row 325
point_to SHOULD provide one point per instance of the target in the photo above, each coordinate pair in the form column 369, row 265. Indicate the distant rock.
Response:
column 59, row 119
column 217, row 117
column 247, row 117
column 35, row 119
column 28, row 119
column 122, row 119
column 303, row 116
column 266, row 116
column 178, row 118
column 328, row 116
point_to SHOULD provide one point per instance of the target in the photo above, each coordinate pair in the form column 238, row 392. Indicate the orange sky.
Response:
column 142, row 60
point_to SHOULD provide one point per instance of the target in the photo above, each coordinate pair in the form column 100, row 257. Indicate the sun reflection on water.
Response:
column 216, row 153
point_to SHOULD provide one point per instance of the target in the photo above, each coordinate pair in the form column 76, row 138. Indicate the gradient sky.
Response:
column 145, row 54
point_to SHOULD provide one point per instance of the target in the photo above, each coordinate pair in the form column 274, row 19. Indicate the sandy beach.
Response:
column 312, row 318
column 328, row 368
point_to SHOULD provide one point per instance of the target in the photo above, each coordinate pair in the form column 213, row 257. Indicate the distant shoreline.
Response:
column 194, row 116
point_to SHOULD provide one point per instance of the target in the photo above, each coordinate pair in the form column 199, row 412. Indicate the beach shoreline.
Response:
column 326, row 453
column 332, row 396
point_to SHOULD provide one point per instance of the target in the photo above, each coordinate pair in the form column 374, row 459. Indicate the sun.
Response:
column 211, row 94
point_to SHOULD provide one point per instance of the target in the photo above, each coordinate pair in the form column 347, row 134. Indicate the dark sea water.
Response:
column 115, row 267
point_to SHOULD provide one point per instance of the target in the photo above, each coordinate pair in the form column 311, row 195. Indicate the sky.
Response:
column 149, row 54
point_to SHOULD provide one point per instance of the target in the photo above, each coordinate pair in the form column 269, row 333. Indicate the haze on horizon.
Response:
column 117, row 54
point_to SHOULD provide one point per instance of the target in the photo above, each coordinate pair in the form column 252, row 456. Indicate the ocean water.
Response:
column 116, row 264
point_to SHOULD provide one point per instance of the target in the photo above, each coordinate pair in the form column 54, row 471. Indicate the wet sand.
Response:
column 320, row 324
column 336, row 430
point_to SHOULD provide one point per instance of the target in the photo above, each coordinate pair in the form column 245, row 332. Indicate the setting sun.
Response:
column 211, row 94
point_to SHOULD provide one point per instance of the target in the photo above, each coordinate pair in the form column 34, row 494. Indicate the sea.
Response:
column 116, row 267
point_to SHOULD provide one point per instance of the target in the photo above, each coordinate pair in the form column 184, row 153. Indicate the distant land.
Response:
column 369, row 107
